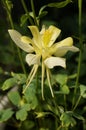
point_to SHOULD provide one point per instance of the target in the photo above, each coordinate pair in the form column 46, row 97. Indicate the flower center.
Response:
column 46, row 37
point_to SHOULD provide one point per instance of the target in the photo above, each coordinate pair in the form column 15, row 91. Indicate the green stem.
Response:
column 11, row 21
column 65, row 102
column 80, row 41
column 77, row 103
column 26, row 10
column 59, row 127
column 33, row 9
column 18, row 50
column 21, row 61
column 81, row 47
column 12, row 26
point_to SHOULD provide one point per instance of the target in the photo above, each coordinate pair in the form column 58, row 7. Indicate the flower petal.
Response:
column 36, row 35
column 26, row 40
column 32, row 59
column 63, row 50
column 55, row 33
column 66, row 42
column 16, row 37
column 55, row 61
column 42, row 30
column 50, row 35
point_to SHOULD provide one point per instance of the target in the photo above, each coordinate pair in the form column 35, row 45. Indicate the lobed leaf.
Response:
column 8, row 83
column 23, row 19
column 20, row 78
column 21, row 114
column 83, row 90
column 67, row 119
column 30, row 95
column 5, row 115
column 14, row 97
column 61, row 78
column 64, row 89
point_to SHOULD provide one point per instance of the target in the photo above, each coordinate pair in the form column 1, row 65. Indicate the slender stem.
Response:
column 81, row 47
column 12, row 26
column 33, row 9
column 11, row 21
column 77, row 103
column 21, row 61
column 18, row 50
column 59, row 128
column 84, row 124
column 80, row 41
column 26, row 10
column 65, row 102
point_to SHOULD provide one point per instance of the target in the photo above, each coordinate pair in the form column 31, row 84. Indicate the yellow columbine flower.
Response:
column 42, row 50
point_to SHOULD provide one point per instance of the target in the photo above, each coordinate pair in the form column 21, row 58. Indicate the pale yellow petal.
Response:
column 16, row 37
column 36, row 35
column 42, row 30
column 61, row 51
column 26, row 40
column 67, row 42
column 50, row 35
column 55, row 61
column 32, row 59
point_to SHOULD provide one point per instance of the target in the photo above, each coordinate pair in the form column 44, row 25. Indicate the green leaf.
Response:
column 8, row 83
column 17, row 79
column 31, row 14
column 67, row 120
column 30, row 95
column 41, row 12
column 64, row 89
column 41, row 114
column 83, row 90
column 20, row 78
column 41, row 9
column 73, row 76
column 5, row 115
column 44, row 13
column 14, row 97
column 61, row 78
column 23, row 19
column 21, row 115
column 27, row 125
column 26, row 107
column 53, row 109
column 59, row 4
column 78, row 116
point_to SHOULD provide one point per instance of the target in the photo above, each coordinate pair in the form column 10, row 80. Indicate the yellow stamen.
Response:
column 46, row 37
